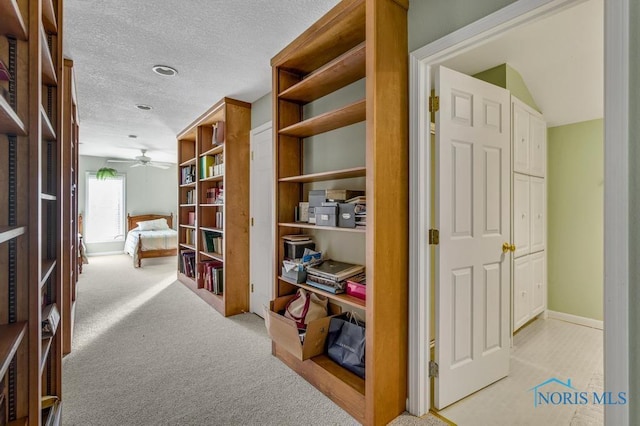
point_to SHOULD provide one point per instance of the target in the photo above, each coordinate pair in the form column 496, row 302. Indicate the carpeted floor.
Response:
column 147, row 351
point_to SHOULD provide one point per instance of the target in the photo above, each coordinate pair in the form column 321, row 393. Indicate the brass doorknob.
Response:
column 506, row 247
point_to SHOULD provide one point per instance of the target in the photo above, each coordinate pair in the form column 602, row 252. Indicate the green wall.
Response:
column 510, row 79
column 261, row 111
column 575, row 189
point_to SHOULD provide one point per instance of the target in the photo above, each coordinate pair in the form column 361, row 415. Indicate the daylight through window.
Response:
column 105, row 209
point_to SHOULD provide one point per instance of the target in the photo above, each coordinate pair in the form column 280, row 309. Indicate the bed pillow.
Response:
column 152, row 225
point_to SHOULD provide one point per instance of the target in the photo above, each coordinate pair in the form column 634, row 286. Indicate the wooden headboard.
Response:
column 132, row 221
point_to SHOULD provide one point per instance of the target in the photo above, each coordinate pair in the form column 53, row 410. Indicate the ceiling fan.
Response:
column 142, row 160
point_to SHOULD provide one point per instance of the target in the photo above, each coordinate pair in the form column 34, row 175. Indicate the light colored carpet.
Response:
column 147, row 351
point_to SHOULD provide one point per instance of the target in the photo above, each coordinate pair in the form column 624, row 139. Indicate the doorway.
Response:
column 422, row 63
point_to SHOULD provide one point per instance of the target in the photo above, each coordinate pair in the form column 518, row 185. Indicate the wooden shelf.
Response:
column 22, row 421
column 47, row 267
column 53, row 415
column 188, row 185
column 214, row 256
column 187, row 205
column 343, row 70
column 212, row 205
column 10, row 123
column 216, row 178
column 49, row 17
column 324, row 176
column 187, row 246
column 46, row 347
column 9, row 232
column 206, row 228
column 11, row 336
column 213, row 151
column 48, row 133
column 214, row 300
column 47, row 197
column 188, row 226
column 320, row 228
column 189, row 162
column 11, row 22
column 341, row 117
column 48, row 69
column 343, row 297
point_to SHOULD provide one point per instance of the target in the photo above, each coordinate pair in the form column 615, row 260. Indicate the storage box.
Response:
column 326, row 216
column 295, row 249
column 346, row 215
column 357, row 290
column 284, row 331
column 341, row 194
column 312, row 215
column 295, row 275
column 317, row 197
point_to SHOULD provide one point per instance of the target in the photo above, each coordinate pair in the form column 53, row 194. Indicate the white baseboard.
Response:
column 587, row 322
column 105, row 253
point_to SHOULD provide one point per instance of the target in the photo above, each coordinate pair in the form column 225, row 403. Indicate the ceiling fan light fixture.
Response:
column 165, row 70
column 144, row 107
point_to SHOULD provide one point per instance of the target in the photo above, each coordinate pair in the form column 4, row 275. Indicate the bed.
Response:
column 143, row 244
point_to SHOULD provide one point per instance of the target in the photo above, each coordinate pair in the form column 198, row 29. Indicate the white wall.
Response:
column 149, row 190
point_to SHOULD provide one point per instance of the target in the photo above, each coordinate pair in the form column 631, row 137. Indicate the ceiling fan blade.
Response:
column 120, row 161
column 159, row 166
column 137, row 165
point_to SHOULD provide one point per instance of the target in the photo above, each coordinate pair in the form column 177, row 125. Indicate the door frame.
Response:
column 266, row 127
column 616, row 188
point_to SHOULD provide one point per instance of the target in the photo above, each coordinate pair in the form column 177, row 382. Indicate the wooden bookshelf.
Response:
column 49, row 76
column 8, row 233
column 11, row 22
column 195, row 147
column 11, row 336
column 47, row 128
column 356, row 39
column 10, row 123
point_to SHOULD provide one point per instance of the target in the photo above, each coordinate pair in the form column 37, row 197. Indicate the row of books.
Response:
column 187, row 262
column 190, row 236
column 332, row 276
column 191, row 196
column 213, row 241
column 214, row 195
column 212, row 273
column 187, row 174
column 211, row 165
column 219, row 219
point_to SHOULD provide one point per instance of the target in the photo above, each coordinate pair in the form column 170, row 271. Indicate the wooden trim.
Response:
column 9, row 121
column 49, row 17
column 11, row 336
column 9, row 232
column 11, row 22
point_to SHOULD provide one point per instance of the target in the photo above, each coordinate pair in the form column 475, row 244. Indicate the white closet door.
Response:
column 539, row 283
column 521, row 291
column 521, row 150
column 537, row 146
column 538, row 214
column 521, row 217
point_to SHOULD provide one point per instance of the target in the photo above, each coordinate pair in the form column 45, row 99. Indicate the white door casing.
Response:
column 473, row 144
column 262, row 233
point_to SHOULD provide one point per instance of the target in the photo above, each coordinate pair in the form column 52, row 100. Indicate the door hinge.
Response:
column 252, row 155
column 251, row 221
column 434, row 103
column 251, row 287
column 434, row 237
column 433, row 369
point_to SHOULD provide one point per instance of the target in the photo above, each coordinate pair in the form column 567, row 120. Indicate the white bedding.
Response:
column 164, row 239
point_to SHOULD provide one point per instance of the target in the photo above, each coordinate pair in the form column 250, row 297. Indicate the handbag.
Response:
column 305, row 307
column 346, row 343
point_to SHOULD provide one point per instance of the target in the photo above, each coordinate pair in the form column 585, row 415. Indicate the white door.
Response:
column 473, row 139
column 521, row 215
column 261, row 239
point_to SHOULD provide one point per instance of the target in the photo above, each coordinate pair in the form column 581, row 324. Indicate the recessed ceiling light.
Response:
column 144, row 107
column 165, row 70
column 133, row 136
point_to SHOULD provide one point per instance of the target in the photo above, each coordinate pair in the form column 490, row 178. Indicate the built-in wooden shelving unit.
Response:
column 356, row 39
column 200, row 211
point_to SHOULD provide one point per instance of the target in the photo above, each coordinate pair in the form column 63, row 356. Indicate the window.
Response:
column 104, row 219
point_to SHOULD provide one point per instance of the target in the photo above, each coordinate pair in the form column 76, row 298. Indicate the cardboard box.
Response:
column 326, row 216
column 341, row 194
column 284, row 331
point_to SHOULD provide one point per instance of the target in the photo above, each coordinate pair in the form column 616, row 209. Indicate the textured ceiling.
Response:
column 219, row 47
column 560, row 59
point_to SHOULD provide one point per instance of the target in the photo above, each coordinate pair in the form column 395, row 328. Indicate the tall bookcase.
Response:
column 30, row 219
column 356, row 39
column 204, row 210
column 70, row 145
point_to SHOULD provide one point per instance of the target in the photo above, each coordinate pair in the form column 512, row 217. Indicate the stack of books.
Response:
column 212, row 275
column 188, row 174
column 332, row 275
column 360, row 210
column 215, row 195
column 213, row 241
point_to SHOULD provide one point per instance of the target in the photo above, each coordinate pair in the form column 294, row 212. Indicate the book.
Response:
column 334, row 289
column 334, row 270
